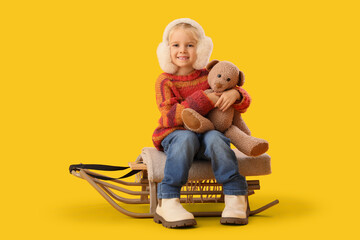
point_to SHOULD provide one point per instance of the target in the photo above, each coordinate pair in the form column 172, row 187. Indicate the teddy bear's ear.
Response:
column 241, row 78
column 211, row 64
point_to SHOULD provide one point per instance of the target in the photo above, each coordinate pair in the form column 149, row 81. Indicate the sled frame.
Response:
column 204, row 191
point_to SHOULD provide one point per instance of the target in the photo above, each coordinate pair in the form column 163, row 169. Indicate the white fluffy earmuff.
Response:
column 203, row 50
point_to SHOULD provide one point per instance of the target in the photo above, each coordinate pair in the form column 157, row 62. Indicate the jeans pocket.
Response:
column 166, row 142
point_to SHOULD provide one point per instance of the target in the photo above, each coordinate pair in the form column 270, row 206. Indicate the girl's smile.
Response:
column 183, row 58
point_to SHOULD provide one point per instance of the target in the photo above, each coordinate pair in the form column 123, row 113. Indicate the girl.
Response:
column 182, row 55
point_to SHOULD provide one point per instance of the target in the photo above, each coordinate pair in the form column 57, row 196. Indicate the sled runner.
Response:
column 149, row 171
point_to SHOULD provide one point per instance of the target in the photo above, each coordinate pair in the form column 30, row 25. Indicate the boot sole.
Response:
column 176, row 224
column 233, row 221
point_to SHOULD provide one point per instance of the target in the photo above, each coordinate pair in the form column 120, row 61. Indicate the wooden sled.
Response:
column 200, row 188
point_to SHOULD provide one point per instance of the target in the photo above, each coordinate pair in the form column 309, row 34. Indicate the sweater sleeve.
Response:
column 244, row 102
column 171, row 104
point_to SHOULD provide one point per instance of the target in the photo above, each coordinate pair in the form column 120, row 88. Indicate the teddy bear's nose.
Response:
column 219, row 85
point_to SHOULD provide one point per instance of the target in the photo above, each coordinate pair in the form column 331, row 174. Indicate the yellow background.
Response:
column 77, row 85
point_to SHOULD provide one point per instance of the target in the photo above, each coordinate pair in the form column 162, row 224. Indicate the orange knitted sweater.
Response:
column 175, row 93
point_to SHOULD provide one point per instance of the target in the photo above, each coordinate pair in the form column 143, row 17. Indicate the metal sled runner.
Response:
column 149, row 167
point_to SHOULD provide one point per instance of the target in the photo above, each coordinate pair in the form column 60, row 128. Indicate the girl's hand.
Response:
column 227, row 99
column 214, row 97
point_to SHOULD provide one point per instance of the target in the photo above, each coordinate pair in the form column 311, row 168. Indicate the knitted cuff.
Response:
column 200, row 102
column 244, row 102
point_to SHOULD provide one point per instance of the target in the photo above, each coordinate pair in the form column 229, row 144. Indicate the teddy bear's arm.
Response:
column 207, row 91
column 240, row 123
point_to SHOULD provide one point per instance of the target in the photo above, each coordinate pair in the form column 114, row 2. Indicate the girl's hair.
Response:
column 203, row 48
column 187, row 27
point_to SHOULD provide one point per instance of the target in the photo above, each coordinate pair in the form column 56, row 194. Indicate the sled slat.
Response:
column 137, row 166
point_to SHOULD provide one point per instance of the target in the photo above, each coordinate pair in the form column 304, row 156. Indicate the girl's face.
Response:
column 183, row 50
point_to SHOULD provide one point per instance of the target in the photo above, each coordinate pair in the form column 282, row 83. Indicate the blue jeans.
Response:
column 182, row 147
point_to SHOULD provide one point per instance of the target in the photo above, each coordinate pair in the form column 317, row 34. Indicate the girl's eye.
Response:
column 175, row 45
column 190, row 45
column 219, row 75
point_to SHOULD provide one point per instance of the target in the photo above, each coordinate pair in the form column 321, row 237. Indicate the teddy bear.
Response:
column 224, row 75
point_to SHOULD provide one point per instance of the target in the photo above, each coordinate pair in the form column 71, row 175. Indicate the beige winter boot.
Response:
column 236, row 210
column 172, row 214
